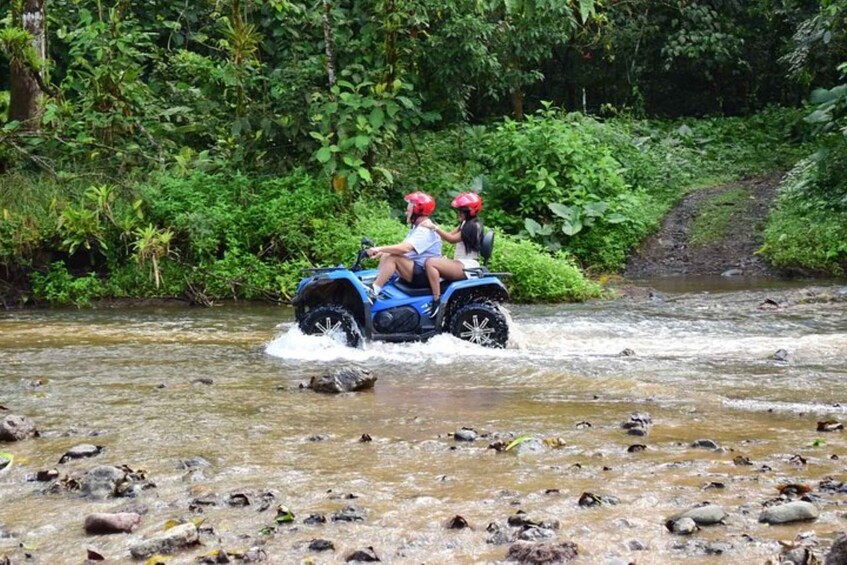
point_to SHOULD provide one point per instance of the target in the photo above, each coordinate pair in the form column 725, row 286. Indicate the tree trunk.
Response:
column 517, row 102
column 329, row 46
column 25, row 92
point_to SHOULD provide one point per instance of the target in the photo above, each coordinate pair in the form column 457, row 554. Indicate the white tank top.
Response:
column 469, row 259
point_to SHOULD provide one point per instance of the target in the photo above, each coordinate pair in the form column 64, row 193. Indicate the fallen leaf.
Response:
column 517, row 441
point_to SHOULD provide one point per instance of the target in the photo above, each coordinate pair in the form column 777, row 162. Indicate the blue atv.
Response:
column 333, row 301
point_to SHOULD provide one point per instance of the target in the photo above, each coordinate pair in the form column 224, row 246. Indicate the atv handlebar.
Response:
column 362, row 255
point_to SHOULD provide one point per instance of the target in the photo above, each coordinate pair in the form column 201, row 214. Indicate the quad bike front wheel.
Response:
column 335, row 321
column 481, row 323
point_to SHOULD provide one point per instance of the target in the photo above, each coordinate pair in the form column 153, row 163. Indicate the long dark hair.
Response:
column 472, row 233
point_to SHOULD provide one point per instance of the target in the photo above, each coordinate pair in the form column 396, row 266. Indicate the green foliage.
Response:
column 553, row 171
column 538, row 276
column 58, row 286
column 805, row 228
column 356, row 120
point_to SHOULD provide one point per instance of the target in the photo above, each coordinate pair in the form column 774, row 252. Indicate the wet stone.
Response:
column 741, row 460
column 589, row 499
column 636, row 448
column 796, row 511
column 636, row 545
column 830, row 426
column 637, row 431
column 465, row 434
column 499, row 535
column 344, row 380
column 193, row 463
column 542, row 552
column 705, row 444
column 457, row 523
column 102, row 481
column 534, row 533
column 315, row 519
column 828, row 484
column 837, row 554
column 364, row 555
column 81, row 451
column 349, row 514
column 111, row 523
column 321, row 545
column 780, row 355
column 704, row 515
column 718, row 548
column 17, row 428
column 627, row 352
column 683, row 526
column 167, row 542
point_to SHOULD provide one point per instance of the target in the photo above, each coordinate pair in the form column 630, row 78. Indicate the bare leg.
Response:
column 447, row 269
column 433, row 277
column 387, row 267
column 405, row 267
column 390, row 264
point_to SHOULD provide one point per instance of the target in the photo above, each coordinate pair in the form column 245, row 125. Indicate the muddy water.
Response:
column 127, row 380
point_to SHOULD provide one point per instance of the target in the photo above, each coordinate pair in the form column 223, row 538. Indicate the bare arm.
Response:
column 454, row 236
column 397, row 249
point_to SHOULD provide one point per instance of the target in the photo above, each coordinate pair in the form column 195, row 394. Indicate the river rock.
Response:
column 706, row 515
column 193, row 463
column 365, row 555
column 167, row 542
column 683, row 526
column 542, row 552
column 705, row 444
column 838, row 552
column 534, row 533
column 102, row 481
column 81, row 451
column 465, row 434
column 636, row 545
column 780, row 355
column 321, row 545
column 349, row 514
column 529, row 446
column 106, row 523
column 732, row 273
column 796, row 511
column 17, row 428
column 343, row 380
column 589, row 499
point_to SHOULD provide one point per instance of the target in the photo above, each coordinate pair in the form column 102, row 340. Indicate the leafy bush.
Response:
column 58, row 286
column 538, row 276
column 804, row 228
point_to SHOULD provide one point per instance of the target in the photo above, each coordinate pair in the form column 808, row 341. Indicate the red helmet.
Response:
column 469, row 200
column 422, row 203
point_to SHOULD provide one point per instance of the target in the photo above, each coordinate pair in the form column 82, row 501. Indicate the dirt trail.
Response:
column 670, row 251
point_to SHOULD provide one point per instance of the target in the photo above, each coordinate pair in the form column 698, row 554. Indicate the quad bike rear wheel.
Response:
column 482, row 323
column 335, row 321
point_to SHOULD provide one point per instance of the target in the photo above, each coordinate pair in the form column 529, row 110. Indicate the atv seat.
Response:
column 486, row 246
column 418, row 291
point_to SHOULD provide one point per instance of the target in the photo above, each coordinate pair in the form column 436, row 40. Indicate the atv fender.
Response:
column 342, row 288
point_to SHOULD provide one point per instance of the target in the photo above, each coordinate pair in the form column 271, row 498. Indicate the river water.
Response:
column 129, row 380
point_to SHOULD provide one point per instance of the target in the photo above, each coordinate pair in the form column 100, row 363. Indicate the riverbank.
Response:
column 207, row 403
column 212, row 233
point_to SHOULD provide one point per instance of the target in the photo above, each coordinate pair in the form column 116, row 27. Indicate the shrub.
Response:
column 58, row 286
column 538, row 276
column 804, row 228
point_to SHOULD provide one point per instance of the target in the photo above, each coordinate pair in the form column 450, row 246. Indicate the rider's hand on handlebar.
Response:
column 374, row 252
